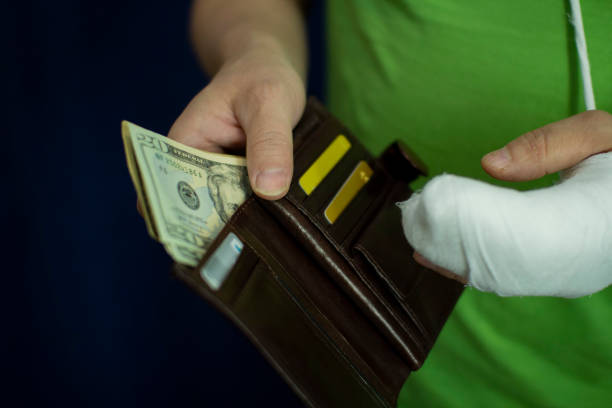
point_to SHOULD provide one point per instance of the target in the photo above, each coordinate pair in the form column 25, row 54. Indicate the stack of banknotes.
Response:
column 186, row 195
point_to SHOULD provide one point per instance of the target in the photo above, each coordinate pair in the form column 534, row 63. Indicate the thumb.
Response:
column 268, row 122
column 551, row 148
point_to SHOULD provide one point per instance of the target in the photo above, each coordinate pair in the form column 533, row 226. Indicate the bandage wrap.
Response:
column 555, row 241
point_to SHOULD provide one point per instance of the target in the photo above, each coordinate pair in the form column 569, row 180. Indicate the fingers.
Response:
column 420, row 259
column 139, row 208
column 208, row 123
column 267, row 116
column 551, row 148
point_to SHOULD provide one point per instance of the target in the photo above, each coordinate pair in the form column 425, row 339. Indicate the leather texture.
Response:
column 340, row 310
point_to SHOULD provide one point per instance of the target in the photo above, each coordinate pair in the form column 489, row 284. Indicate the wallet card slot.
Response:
column 311, row 147
column 358, row 212
column 311, row 151
column 432, row 315
column 236, row 275
column 314, row 116
column 384, row 247
column 324, row 164
column 358, row 178
column 221, row 261
column 316, row 202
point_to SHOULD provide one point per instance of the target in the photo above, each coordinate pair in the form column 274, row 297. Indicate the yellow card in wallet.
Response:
column 321, row 167
column 355, row 182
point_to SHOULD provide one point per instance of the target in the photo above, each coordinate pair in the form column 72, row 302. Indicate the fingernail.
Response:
column 271, row 182
column 498, row 158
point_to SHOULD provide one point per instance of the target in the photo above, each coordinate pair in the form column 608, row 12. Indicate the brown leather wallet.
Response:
column 340, row 309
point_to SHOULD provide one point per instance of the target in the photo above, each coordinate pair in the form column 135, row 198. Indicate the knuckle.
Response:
column 270, row 143
column 192, row 138
column 264, row 91
column 535, row 143
column 596, row 130
column 598, row 116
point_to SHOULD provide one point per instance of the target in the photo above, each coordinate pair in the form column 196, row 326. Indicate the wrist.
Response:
column 268, row 47
column 224, row 30
column 242, row 43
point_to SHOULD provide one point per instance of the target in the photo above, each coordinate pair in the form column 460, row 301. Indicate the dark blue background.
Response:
column 92, row 316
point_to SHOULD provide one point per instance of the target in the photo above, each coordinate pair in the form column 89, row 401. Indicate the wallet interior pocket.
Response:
column 300, row 349
column 359, row 210
column 232, row 277
column 384, row 248
column 383, row 244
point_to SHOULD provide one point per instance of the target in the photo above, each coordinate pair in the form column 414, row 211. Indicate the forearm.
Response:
column 223, row 30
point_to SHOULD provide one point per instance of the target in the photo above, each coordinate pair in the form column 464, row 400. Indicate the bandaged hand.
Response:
column 555, row 241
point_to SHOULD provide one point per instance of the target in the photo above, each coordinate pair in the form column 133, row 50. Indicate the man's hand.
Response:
column 256, row 52
column 255, row 101
column 551, row 148
column 509, row 244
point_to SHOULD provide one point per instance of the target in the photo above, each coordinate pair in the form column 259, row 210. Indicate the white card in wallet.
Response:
column 218, row 266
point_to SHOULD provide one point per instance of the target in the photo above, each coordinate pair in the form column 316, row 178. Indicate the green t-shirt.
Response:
column 455, row 80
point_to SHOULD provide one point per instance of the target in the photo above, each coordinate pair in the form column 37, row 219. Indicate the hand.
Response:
column 553, row 241
column 254, row 100
column 551, row 148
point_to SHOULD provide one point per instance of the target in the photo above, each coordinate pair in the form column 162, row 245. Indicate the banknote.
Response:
column 186, row 195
